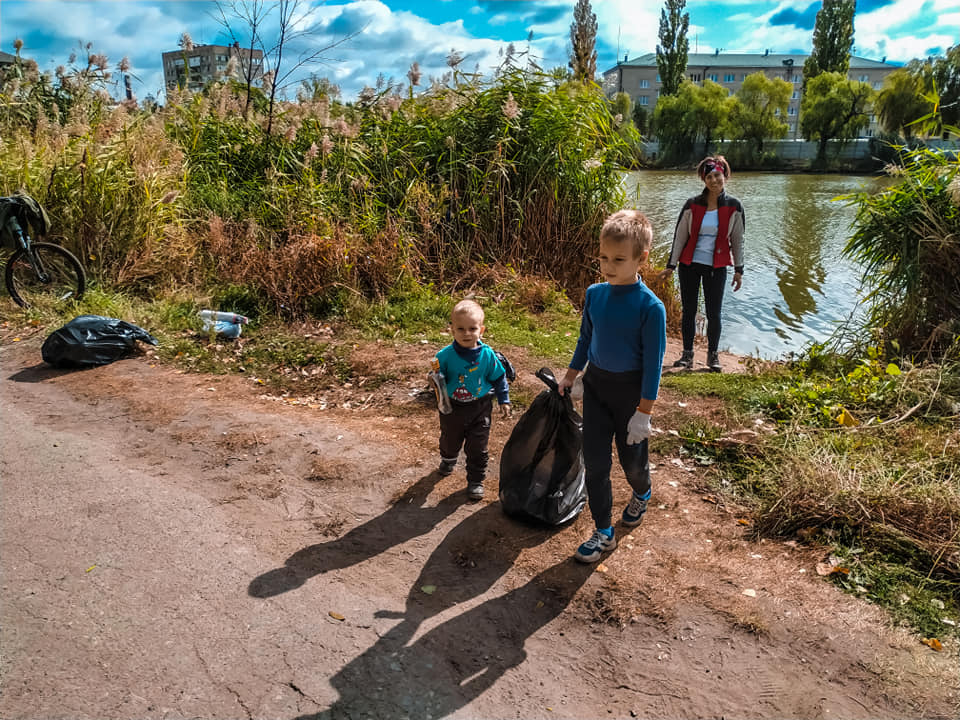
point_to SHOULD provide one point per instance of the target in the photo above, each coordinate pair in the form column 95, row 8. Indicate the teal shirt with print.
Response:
column 472, row 377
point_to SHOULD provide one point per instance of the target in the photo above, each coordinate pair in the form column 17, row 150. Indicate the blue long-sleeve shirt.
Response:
column 623, row 329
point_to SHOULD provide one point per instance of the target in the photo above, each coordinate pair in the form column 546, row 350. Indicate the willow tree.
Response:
column 902, row 102
column 673, row 46
column 758, row 108
column 834, row 108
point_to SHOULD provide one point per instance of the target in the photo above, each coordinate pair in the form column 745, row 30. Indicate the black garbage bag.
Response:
column 541, row 466
column 90, row 340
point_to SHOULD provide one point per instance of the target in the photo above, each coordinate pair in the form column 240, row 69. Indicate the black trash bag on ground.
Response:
column 541, row 466
column 90, row 340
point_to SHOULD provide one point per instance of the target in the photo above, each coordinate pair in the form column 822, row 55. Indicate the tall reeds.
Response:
column 517, row 172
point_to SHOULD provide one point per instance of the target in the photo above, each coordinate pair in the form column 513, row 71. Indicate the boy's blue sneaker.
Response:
column 599, row 543
column 633, row 512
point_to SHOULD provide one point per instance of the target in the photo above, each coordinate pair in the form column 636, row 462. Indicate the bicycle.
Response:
column 36, row 271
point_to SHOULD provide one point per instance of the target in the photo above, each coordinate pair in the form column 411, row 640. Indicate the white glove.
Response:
column 638, row 429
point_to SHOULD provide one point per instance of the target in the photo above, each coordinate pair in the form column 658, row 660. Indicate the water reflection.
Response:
column 797, row 285
column 799, row 260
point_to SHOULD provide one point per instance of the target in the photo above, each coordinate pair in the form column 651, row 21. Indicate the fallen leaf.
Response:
column 741, row 521
column 429, row 589
column 824, row 569
column 539, row 604
column 16, row 339
column 709, row 499
column 90, row 568
column 602, row 568
column 932, row 643
column 336, row 615
column 846, row 419
column 749, row 592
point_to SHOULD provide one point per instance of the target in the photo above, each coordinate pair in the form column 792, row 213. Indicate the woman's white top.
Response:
column 707, row 240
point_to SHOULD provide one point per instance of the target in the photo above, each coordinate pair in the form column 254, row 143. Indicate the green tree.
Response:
column 583, row 41
column 673, row 47
column 834, row 107
column 710, row 108
column 641, row 119
column 901, row 102
column 622, row 105
column 945, row 74
column 693, row 113
column 832, row 40
column 674, row 131
column 757, row 109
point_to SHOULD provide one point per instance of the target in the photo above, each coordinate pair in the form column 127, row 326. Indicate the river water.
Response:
column 797, row 286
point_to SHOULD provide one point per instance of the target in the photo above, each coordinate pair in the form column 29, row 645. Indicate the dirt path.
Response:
column 179, row 546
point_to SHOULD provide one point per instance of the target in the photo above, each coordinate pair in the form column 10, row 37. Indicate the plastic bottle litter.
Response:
column 227, row 324
column 439, row 383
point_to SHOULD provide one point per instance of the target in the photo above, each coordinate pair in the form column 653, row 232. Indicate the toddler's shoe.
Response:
column 446, row 467
column 685, row 360
column 599, row 543
column 633, row 512
column 475, row 490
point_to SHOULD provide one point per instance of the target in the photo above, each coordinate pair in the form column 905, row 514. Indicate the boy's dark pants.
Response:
column 609, row 401
column 714, row 281
column 468, row 426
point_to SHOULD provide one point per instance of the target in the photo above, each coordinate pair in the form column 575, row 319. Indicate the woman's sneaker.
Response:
column 685, row 360
column 475, row 490
column 633, row 512
column 446, row 467
column 599, row 543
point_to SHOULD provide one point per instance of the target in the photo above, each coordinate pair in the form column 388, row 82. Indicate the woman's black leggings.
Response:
column 714, row 281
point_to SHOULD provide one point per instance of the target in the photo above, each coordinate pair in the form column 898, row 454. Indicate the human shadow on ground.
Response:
column 453, row 663
column 404, row 520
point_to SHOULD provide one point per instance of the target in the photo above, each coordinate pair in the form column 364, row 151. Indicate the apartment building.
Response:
column 6, row 60
column 195, row 68
column 640, row 77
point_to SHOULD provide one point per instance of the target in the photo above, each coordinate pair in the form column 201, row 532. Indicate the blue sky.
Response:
column 392, row 34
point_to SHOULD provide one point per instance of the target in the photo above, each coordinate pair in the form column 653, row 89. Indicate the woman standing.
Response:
column 708, row 238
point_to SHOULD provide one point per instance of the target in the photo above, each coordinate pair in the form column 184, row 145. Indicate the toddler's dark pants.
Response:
column 468, row 426
column 609, row 401
column 714, row 281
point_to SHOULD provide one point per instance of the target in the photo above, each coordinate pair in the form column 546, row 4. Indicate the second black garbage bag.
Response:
column 90, row 340
column 541, row 466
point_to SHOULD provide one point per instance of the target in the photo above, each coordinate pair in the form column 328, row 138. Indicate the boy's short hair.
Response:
column 711, row 163
column 468, row 307
column 631, row 225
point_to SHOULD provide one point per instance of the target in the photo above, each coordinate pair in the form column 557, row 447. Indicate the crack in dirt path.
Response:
column 175, row 551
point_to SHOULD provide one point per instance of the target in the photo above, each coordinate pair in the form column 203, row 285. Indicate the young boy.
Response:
column 471, row 370
column 623, row 336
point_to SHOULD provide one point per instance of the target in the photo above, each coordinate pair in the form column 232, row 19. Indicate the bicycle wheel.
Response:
column 58, row 275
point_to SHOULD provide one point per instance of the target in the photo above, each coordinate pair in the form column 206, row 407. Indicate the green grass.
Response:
column 738, row 389
column 911, row 598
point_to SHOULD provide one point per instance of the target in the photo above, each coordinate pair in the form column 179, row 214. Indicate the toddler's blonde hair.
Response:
column 631, row 225
column 468, row 307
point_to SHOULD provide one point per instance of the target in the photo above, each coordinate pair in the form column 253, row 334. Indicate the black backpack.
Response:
column 510, row 372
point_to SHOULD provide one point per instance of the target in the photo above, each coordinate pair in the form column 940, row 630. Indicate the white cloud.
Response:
column 629, row 25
